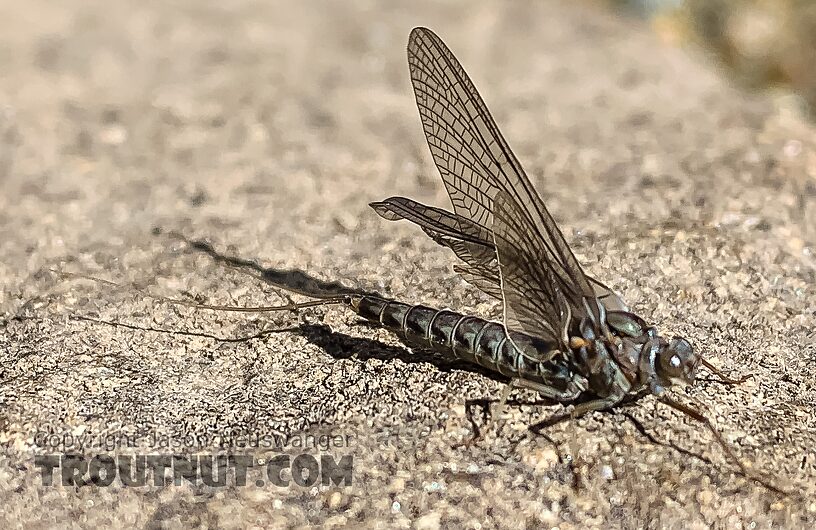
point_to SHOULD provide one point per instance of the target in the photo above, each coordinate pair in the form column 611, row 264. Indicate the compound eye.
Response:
column 675, row 361
column 672, row 364
column 678, row 363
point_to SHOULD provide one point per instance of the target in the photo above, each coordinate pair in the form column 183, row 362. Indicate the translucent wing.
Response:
column 540, row 278
column 471, row 243
column 608, row 297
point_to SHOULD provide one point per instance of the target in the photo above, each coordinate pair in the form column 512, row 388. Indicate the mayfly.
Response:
column 564, row 334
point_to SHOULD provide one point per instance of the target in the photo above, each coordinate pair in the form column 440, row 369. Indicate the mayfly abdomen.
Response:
column 471, row 339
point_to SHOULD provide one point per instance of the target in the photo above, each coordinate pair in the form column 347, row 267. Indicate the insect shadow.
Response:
column 343, row 346
column 338, row 345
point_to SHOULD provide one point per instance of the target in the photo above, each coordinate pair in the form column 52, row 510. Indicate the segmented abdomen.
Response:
column 471, row 339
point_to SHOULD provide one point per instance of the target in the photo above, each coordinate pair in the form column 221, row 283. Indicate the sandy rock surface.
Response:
column 266, row 128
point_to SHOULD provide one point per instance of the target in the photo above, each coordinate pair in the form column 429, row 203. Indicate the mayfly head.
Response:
column 672, row 362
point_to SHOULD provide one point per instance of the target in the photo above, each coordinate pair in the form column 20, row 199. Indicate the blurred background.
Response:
column 761, row 44
column 763, row 47
column 766, row 46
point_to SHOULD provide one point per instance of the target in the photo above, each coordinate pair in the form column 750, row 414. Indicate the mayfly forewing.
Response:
column 532, row 300
column 434, row 219
column 471, row 242
column 485, row 278
column 476, row 164
column 609, row 298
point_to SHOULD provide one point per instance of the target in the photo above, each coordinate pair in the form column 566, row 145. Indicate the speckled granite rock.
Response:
column 267, row 128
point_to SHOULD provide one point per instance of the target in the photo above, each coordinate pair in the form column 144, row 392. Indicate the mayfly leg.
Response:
column 542, row 389
column 505, row 395
column 724, row 379
column 698, row 416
